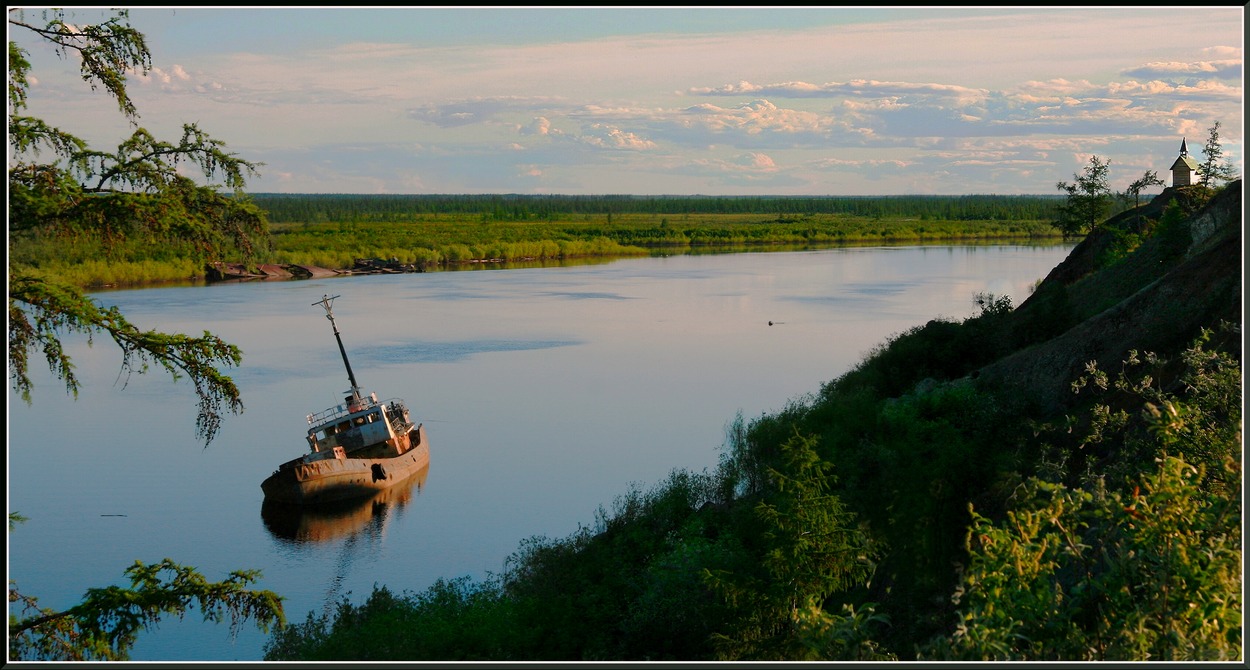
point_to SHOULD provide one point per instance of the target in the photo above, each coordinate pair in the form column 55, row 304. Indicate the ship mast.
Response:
column 325, row 302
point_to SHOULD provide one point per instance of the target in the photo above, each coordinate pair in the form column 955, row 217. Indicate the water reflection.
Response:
column 655, row 252
column 297, row 525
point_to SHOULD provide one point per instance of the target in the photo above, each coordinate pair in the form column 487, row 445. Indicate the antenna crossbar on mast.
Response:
column 326, row 302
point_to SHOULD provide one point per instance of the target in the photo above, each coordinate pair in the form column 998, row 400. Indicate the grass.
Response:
column 445, row 240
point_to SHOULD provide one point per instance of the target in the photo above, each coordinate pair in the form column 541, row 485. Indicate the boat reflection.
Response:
column 299, row 524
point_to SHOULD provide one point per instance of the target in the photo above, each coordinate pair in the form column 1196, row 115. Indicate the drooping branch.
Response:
column 107, row 51
column 106, row 624
column 145, row 164
column 40, row 309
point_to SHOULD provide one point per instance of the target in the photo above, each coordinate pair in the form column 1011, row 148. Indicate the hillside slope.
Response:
column 1157, row 299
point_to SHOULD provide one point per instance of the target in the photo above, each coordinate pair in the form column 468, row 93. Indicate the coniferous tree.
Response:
column 61, row 188
column 1088, row 201
column 106, row 624
column 810, row 547
column 1214, row 170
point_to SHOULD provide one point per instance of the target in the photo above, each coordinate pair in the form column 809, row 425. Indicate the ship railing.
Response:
column 325, row 415
column 338, row 412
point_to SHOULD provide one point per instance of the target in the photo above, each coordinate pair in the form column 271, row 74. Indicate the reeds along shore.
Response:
column 429, row 241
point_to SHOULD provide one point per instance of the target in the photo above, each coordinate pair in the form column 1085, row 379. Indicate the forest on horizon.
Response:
column 330, row 207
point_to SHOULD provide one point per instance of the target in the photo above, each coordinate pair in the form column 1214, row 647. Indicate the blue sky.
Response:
column 735, row 101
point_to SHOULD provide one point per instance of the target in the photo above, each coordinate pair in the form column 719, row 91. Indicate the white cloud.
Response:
column 539, row 126
column 755, row 117
column 857, row 88
column 1206, row 89
column 840, row 163
column 608, row 137
column 1222, row 69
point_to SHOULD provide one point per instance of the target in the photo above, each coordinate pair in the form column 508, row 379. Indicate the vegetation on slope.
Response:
column 948, row 498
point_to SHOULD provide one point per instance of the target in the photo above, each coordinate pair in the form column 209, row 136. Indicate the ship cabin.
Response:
column 357, row 423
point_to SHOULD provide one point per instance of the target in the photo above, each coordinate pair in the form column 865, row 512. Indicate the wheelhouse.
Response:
column 357, row 423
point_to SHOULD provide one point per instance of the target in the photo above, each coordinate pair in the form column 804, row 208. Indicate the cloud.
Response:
column 481, row 110
column 608, row 137
column 755, row 117
column 756, row 161
column 539, row 126
column 899, row 113
column 855, row 88
column 1223, row 52
column 1219, row 69
column 751, row 170
column 459, row 113
column 858, row 165
column 1056, row 87
column 154, row 76
column 1202, row 89
column 928, row 114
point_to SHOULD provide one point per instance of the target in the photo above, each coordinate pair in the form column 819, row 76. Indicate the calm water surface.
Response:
column 546, row 393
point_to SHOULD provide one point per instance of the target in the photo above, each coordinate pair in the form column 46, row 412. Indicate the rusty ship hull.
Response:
column 342, row 476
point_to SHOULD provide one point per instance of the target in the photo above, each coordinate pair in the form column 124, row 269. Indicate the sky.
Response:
column 673, row 101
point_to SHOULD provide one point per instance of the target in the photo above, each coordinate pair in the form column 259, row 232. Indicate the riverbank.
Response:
column 329, row 250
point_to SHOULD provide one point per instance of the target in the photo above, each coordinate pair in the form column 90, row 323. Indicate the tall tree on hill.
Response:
column 1214, row 170
column 135, row 193
column 61, row 188
column 1089, row 199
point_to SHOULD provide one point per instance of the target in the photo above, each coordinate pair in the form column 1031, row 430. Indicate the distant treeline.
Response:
column 345, row 208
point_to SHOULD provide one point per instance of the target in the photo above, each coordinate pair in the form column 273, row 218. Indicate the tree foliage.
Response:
column 1214, row 169
column 1150, row 571
column 512, row 207
column 60, row 188
column 1149, row 178
column 1088, row 199
column 55, row 308
column 1090, row 574
column 809, row 547
column 106, row 624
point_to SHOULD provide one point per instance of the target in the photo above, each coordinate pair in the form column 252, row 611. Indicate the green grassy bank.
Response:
column 443, row 240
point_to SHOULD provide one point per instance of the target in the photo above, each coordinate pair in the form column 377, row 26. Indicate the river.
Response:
column 545, row 393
